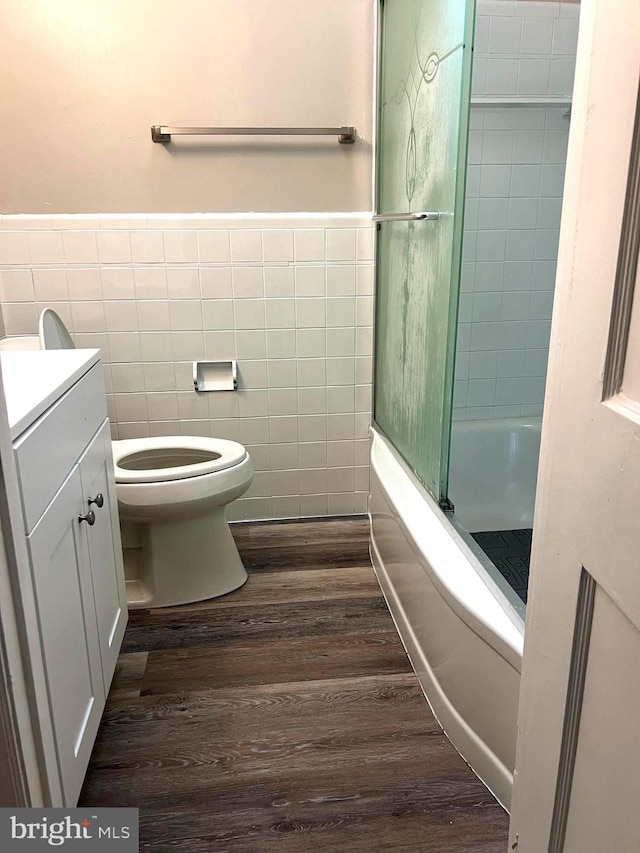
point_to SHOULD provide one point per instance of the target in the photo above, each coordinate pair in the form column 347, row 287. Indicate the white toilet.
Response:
column 172, row 493
column 174, row 489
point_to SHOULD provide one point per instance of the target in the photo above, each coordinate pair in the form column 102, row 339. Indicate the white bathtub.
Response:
column 494, row 466
column 462, row 632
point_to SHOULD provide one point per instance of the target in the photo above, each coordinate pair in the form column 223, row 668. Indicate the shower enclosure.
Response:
column 424, row 94
column 452, row 497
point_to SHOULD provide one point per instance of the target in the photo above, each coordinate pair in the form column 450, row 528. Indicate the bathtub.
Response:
column 492, row 480
column 461, row 624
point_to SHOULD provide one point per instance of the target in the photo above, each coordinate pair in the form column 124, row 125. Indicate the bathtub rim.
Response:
column 481, row 602
column 494, row 577
column 471, row 424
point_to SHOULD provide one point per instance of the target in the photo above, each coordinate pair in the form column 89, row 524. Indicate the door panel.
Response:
column 610, row 701
column 66, row 614
column 105, row 550
column 424, row 103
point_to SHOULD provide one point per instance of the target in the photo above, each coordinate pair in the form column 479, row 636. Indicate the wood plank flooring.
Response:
column 285, row 716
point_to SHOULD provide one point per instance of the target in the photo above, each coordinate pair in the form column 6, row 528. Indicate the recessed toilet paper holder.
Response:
column 215, row 375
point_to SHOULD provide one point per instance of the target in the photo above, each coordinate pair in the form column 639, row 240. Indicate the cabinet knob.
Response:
column 98, row 500
column 90, row 518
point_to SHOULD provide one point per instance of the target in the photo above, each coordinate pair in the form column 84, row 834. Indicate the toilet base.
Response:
column 183, row 560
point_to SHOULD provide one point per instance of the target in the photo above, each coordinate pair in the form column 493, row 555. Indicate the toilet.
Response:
column 172, row 492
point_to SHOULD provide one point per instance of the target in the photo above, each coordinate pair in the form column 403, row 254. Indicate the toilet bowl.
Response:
column 172, row 492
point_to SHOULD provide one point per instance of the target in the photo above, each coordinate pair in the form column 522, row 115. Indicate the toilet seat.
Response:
column 166, row 458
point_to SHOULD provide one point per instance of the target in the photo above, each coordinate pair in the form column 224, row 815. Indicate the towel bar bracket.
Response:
column 157, row 134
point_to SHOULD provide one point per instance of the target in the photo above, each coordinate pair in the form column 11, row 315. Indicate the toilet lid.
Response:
column 52, row 331
column 173, row 457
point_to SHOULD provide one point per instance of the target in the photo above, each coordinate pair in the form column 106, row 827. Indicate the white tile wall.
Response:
column 289, row 295
column 525, row 49
column 513, row 203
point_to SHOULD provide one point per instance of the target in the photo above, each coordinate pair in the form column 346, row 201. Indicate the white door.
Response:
column 105, row 549
column 577, row 785
column 67, row 620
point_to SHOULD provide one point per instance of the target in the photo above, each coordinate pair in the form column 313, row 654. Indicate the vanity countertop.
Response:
column 34, row 379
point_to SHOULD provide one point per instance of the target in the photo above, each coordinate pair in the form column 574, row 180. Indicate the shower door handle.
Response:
column 406, row 217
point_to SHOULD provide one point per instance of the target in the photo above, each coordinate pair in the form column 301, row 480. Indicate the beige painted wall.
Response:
column 83, row 81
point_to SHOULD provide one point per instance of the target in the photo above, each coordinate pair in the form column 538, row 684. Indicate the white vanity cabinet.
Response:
column 69, row 505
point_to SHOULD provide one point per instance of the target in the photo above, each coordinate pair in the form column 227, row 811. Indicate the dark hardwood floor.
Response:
column 285, row 716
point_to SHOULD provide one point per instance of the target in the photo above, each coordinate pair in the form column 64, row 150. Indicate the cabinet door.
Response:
column 66, row 613
column 105, row 549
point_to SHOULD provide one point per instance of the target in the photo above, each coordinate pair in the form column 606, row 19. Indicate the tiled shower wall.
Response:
column 524, row 51
column 289, row 296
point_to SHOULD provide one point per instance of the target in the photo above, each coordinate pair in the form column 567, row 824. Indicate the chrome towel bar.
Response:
column 161, row 133
column 406, row 217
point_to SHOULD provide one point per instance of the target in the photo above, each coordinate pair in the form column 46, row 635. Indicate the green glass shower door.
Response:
column 425, row 83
